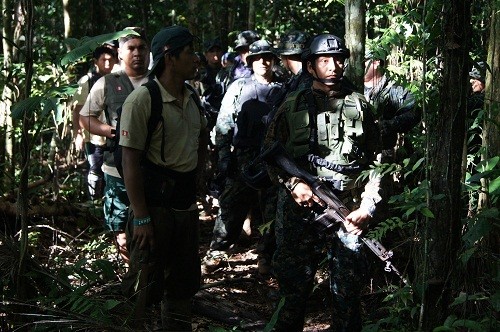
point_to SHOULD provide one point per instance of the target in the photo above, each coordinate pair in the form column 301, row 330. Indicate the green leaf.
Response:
column 50, row 105
column 495, row 301
column 68, row 90
column 110, row 304
column 466, row 255
column 494, row 185
column 469, row 324
column 417, row 164
column 477, row 231
column 488, row 165
column 28, row 105
column 426, row 212
column 88, row 45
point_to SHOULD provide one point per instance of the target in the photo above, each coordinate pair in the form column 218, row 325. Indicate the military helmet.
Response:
column 293, row 43
column 325, row 44
column 479, row 72
column 260, row 47
column 245, row 38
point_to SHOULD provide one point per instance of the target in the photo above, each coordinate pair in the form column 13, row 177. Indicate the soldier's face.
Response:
column 477, row 85
column 330, row 67
column 135, row 55
column 105, row 63
column 187, row 64
column 262, row 65
column 292, row 62
column 213, row 56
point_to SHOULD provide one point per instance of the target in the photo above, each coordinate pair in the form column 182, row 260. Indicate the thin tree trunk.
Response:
column 8, row 96
column 67, row 19
column 22, row 202
column 491, row 131
column 251, row 14
column 446, row 130
column 355, row 35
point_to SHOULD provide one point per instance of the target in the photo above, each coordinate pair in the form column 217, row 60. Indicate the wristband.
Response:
column 142, row 221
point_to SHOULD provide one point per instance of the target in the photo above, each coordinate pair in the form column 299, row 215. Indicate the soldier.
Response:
column 327, row 122
column 394, row 105
column 241, row 68
column 212, row 93
column 106, row 96
column 290, row 49
column 160, row 180
column 104, row 59
column 239, row 134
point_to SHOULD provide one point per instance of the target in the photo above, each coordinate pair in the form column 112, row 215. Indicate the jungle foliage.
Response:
column 42, row 191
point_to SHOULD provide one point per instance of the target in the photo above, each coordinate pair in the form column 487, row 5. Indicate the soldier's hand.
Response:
column 356, row 221
column 144, row 237
column 303, row 195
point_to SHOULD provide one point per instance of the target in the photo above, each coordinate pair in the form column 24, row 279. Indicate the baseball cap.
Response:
column 209, row 44
column 168, row 39
column 141, row 35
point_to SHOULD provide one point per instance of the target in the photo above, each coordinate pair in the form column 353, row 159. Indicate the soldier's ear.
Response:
column 310, row 67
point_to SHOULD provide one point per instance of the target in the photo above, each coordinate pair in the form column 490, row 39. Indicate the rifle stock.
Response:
column 334, row 209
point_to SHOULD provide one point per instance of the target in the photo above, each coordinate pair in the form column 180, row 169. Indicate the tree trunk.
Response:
column 67, row 19
column 491, row 131
column 355, row 13
column 446, row 134
column 192, row 24
column 22, row 202
column 8, row 96
column 251, row 14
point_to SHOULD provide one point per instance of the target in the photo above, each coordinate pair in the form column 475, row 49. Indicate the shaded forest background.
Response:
column 446, row 216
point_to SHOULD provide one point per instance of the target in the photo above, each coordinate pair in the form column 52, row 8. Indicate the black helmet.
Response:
column 255, row 175
column 325, row 44
column 245, row 38
column 293, row 43
column 260, row 47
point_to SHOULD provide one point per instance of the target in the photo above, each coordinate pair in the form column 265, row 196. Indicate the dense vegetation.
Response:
column 57, row 267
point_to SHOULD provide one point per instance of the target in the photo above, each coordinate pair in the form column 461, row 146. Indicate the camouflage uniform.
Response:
column 299, row 247
column 396, row 112
column 238, row 198
column 394, row 107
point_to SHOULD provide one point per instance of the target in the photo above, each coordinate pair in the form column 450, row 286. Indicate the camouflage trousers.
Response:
column 236, row 201
column 299, row 252
column 116, row 203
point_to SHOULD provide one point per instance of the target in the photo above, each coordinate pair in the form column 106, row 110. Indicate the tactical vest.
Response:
column 328, row 135
column 117, row 87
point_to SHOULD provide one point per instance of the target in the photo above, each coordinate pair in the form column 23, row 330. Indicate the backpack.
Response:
column 154, row 119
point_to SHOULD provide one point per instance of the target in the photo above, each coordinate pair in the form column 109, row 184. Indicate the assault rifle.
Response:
column 334, row 210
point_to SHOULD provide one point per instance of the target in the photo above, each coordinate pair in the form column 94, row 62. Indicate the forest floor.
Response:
column 236, row 297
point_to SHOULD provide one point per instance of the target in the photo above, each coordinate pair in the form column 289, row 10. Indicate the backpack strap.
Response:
column 196, row 98
column 155, row 117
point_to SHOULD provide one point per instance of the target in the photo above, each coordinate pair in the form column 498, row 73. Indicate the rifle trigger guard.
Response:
column 387, row 267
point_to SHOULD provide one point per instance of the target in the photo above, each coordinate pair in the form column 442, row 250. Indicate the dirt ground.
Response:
column 237, row 297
